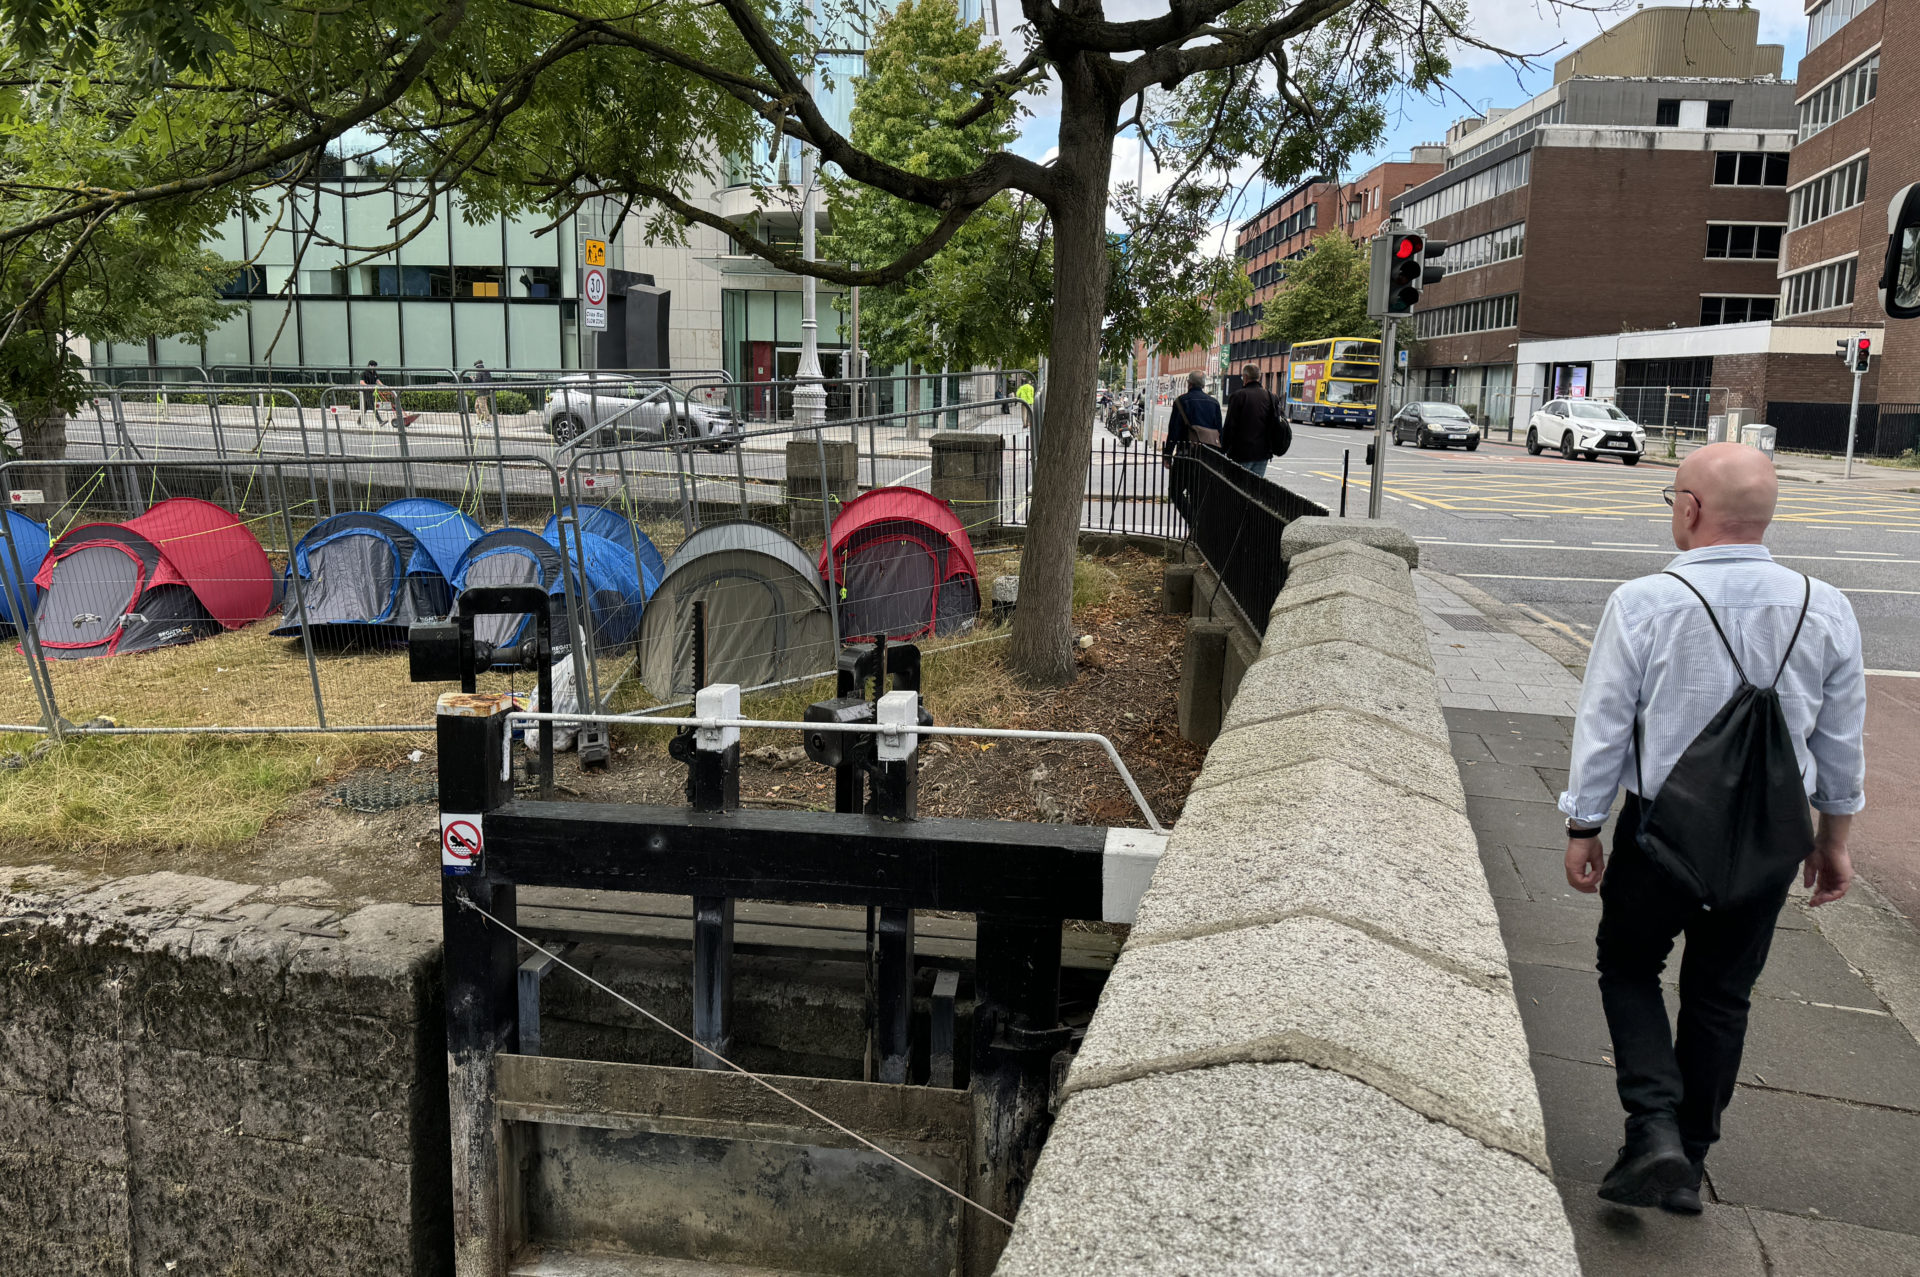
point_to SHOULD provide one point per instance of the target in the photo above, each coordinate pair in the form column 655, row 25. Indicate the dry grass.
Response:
column 209, row 794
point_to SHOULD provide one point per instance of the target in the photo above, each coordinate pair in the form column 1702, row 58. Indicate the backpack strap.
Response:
column 1805, row 600
column 1716, row 627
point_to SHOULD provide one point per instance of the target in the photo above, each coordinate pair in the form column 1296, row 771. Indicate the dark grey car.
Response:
column 1435, row 425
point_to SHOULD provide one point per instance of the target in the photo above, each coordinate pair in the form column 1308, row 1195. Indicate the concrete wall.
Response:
column 195, row 1082
column 1309, row 1058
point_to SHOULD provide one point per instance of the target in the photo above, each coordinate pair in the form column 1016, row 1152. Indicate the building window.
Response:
column 1550, row 115
column 1822, row 288
column 1761, row 241
column 1719, row 112
column 1834, row 191
column 1484, row 250
column 1482, row 186
column 1735, row 310
column 1824, row 21
column 1469, row 317
column 1750, row 168
column 1840, row 97
column 1666, row 114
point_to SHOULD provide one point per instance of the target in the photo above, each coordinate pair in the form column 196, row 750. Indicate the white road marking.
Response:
column 1629, row 545
column 1597, row 549
column 1525, row 541
column 1894, row 673
column 1616, row 580
column 1603, row 518
column 1877, row 554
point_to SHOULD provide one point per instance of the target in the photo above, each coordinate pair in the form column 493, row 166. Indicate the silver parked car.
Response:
column 619, row 410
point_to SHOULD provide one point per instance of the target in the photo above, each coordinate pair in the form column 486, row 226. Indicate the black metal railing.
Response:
column 1882, row 430
column 1235, row 518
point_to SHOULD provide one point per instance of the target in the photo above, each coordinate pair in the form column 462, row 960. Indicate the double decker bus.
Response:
column 1335, row 382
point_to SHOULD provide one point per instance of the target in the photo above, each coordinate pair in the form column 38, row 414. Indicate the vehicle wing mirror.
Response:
column 1900, row 278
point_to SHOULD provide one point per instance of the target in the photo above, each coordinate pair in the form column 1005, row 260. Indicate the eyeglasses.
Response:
column 1668, row 494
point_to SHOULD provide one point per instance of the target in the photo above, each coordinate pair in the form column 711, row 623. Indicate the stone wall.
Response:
column 1309, row 1058
column 197, row 1080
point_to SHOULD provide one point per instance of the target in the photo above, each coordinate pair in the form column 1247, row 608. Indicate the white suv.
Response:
column 1586, row 428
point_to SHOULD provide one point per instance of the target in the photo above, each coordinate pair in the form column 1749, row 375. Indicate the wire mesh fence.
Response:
column 219, row 556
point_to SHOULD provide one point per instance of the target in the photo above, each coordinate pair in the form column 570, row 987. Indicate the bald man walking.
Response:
column 1671, row 652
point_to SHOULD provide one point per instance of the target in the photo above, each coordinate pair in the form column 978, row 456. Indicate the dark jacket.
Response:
column 1251, row 414
column 1195, row 408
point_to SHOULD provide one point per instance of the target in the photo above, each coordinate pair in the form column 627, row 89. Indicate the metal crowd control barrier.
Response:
column 284, row 513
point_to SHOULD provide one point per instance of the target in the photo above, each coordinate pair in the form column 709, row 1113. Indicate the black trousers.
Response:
column 1684, row 1072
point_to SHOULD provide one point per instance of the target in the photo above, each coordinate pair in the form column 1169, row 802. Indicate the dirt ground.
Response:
column 318, row 850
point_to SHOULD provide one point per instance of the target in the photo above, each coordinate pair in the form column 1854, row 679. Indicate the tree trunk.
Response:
column 43, row 437
column 1041, row 646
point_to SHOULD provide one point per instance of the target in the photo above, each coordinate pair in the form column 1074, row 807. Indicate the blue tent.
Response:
column 30, row 541
column 614, row 594
column 443, row 531
column 603, row 522
column 386, row 570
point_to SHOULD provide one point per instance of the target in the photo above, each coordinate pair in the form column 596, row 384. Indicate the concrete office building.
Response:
column 1645, row 190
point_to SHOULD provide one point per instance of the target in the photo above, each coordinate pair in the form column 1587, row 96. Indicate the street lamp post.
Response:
column 809, row 395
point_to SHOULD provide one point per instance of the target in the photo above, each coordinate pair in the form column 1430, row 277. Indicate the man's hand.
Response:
column 1586, row 864
column 1829, row 870
column 1166, row 463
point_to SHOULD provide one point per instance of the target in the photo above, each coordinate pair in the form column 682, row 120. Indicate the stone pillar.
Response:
column 966, row 475
column 1202, row 667
column 804, row 487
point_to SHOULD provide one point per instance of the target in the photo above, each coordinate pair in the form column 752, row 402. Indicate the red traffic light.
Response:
column 1406, row 246
column 1866, row 345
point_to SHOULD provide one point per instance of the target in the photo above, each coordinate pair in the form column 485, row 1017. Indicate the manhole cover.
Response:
column 1474, row 622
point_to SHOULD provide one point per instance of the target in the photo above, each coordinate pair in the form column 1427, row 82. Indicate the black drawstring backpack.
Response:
column 1731, row 822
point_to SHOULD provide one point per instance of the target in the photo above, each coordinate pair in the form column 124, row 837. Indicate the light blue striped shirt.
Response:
column 1655, row 655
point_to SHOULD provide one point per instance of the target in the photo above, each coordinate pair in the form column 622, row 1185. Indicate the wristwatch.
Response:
column 1575, row 830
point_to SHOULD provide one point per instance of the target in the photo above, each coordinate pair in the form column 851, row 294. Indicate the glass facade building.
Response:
column 451, row 290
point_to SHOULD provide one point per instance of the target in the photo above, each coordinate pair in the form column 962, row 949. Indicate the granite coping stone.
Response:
column 1313, row 990
column 1322, row 838
column 1315, row 532
column 1339, row 674
column 1391, row 754
column 1275, row 1169
column 1344, row 585
column 1346, row 617
column 1352, row 557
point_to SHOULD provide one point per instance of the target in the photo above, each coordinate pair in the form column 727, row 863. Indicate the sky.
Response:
column 1539, row 28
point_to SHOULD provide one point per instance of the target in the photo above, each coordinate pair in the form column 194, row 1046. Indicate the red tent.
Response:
column 903, row 566
column 183, row 570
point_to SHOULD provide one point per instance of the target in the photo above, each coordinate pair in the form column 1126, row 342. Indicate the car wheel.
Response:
column 1422, row 438
column 1473, row 445
column 1634, row 460
column 1534, row 447
column 1397, row 440
column 567, row 427
column 1566, row 446
column 678, row 430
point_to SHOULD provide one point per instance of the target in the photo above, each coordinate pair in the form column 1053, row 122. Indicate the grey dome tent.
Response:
column 767, row 614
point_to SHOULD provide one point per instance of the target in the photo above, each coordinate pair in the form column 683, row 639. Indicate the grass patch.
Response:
column 215, row 793
column 198, row 793
column 1908, row 460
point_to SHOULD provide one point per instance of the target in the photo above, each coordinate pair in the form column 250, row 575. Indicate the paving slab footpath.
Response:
column 1819, row 1169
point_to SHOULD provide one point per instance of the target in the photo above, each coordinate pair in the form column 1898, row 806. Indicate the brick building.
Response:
column 1856, row 144
column 1646, row 189
column 1278, row 233
column 1366, row 201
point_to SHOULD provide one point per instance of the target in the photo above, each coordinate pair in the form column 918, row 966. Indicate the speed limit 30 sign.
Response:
column 593, row 284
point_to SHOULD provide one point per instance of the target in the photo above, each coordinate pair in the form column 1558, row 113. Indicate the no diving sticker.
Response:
column 460, row 842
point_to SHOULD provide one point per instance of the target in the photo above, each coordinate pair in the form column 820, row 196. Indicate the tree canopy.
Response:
column 1323, row 294
column 549, row 104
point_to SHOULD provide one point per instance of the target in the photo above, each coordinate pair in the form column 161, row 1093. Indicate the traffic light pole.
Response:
column 1382, row 416
column 1853, row 415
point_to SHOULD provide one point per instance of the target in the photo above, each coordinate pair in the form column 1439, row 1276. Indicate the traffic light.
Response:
column 1843, row 350
column 1862, row 352
column 1408, row 272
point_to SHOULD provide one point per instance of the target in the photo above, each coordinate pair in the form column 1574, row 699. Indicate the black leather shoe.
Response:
column 1650, row 1166
column 1685, row 1200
